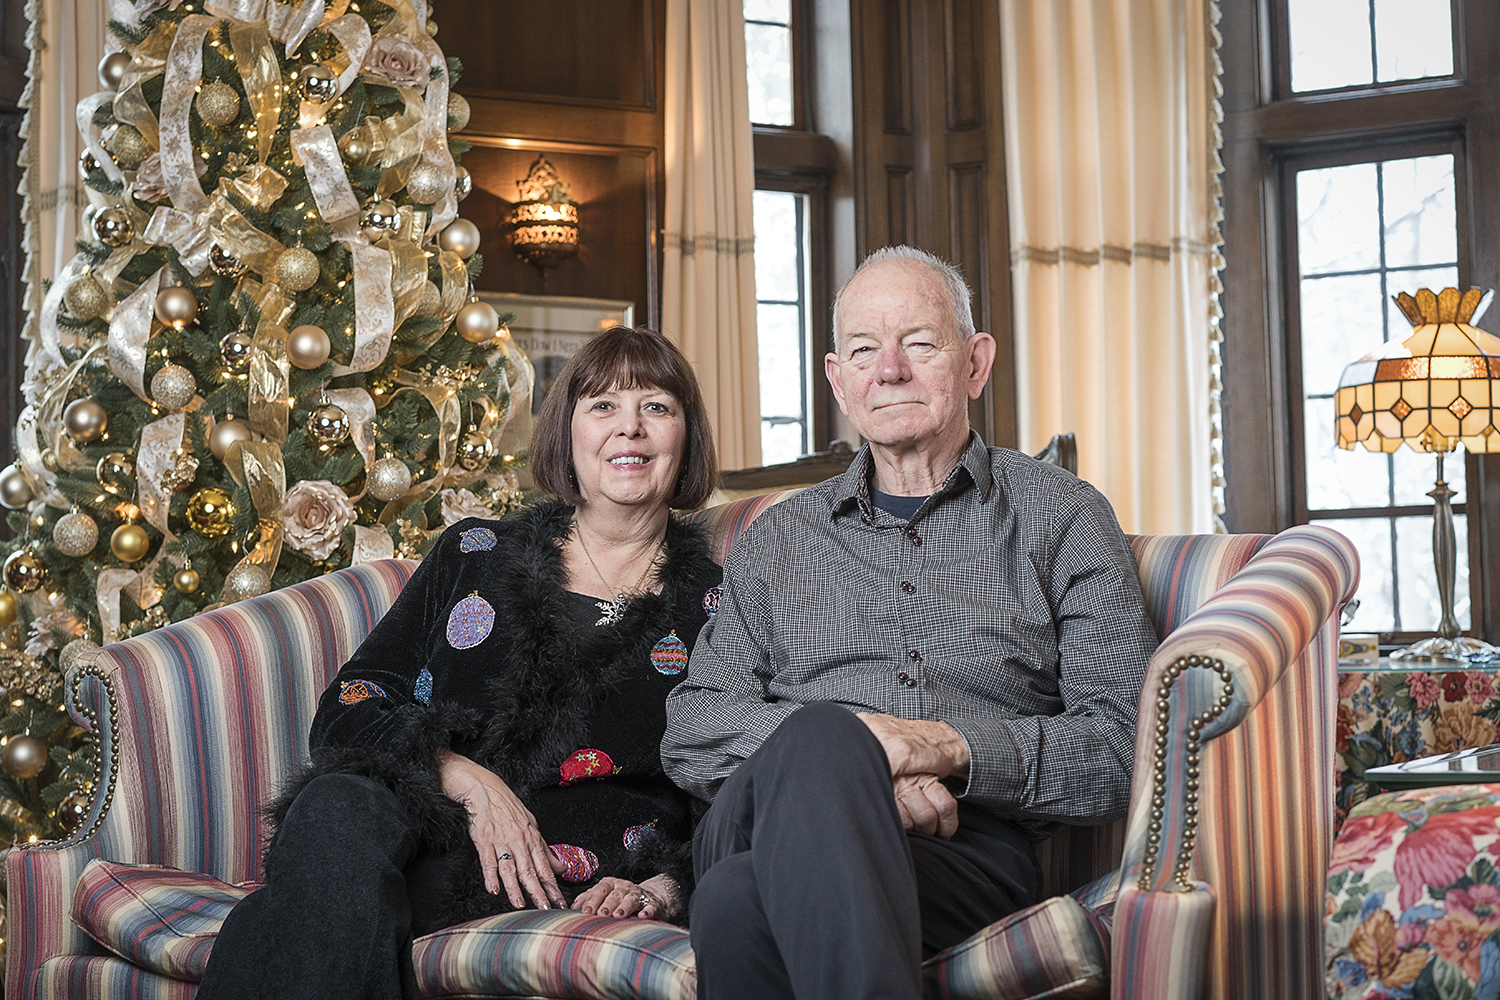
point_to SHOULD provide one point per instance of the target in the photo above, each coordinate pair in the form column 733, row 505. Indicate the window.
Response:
column 768, row 60
column 781, row 281
column 1360, row 159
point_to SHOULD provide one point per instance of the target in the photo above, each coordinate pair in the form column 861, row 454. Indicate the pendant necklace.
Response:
column 615, row 610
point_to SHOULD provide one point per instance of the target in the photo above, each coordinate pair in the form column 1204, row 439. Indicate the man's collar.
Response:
column 853, row 485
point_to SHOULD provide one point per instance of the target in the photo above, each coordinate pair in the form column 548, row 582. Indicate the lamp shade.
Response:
column 1433, row 390
column 544, row 223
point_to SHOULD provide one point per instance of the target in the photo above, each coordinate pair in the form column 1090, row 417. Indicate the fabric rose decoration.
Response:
column 397, row 59
column 44, row 629
column 459, row 504
column 150, row 185
column 316, row 513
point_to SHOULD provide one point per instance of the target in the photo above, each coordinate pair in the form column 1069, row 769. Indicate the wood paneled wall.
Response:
column 930, row 158
column 581, row 81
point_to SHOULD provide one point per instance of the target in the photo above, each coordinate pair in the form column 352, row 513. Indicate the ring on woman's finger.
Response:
column 644, row 898
column 505, row 856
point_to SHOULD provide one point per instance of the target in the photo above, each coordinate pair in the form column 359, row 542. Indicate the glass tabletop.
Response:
column 1474, row 764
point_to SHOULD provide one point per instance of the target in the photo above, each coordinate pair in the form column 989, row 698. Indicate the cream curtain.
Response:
column 1109, row 157
column 67, row 39
column 708, row 281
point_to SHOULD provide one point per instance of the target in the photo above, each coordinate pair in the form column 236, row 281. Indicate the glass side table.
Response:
column 1474, row 765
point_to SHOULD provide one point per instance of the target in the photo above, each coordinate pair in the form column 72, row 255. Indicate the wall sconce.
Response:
column 544, row 223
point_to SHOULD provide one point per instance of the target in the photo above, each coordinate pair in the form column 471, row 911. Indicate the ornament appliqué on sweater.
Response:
column 586, row 763
column 711, row 598
column 476, row 540
column 579, row 863
column 669, row 656
column 470, row 622
column 423, row 691
column 354, row 692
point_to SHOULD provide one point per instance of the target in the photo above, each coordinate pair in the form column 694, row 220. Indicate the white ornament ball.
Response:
column 112, row 70
column 225, row 433
column 461, row 237
column 388, row 479
column 75, row 534
column 15, row 488
column 307, row 346
column 297, row 269
column 245, row 581
column 426, row 185
column 86, row 298
column 477, row 321
column 173, row 387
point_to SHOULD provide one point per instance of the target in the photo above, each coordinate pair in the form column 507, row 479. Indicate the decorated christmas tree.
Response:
column 266, row 361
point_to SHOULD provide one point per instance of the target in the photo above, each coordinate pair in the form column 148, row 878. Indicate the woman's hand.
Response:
column 511, row 848
column 657, row 898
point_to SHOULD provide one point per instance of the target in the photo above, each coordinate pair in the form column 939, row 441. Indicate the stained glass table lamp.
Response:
column 1433, row 391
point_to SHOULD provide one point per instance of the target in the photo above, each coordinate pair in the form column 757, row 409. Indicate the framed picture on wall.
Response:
column 550, row 328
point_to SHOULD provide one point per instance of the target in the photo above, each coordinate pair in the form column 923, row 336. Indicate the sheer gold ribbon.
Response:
column 444, row 402
column 181, row 232
column 258, row 466
column 270, row 406
column 147, row 62
column 260, row 71
column 129, row 329
column 184, row 73
column 139, row 584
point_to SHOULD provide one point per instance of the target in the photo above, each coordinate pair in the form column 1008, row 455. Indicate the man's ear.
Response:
column 831, row 370
column 981, row 359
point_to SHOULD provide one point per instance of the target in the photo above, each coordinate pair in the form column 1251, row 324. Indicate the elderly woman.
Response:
column 494, row 742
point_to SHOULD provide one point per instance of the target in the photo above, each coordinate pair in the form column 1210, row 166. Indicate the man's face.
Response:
column 903, row 375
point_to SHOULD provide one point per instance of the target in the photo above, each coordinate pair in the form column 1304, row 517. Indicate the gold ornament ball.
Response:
column 431, row 301
column 461, row 237
column 245, row 581
column 426, row 185
column 432, row 28
column 388, row 479
column 49, row 460
column 87, row 164
column 477, row 321
column 463, row 182
column 224, row 263
column 380, row 217
column 218, row 104
column 86, row 298
column 328, row 424
column 234, row 350
column 85, row 420
column 297, row 269
column 128, row 146
column 112, row 69
column 317, row 83
column 24, row 571
column 113, row 227
column 8, row 607
column 75, row 534
column 173, row 387
column 355, row 147
column 70, row 653
column 474, row 450
column 116, row 473
column 186, row 581
column 23, row 756
column 225, row 433
column 458, row 111
column 210, row 512
column 129, row 543
column 15, row 488
column 307, row 346
column 176, row 306
column 71, row 810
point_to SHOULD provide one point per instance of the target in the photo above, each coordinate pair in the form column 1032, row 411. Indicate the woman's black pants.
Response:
column 336, row 917
column 808, row 886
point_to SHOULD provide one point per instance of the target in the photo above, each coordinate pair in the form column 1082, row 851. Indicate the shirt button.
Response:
column 910, row 682
column 916, row 539
column 906, row 585
column 916, row 657
column 903, row 677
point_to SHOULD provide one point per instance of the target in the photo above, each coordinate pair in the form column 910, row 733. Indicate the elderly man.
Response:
column 917, row 668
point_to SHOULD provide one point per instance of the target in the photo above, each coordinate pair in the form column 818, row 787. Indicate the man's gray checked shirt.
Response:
column 1009, row 607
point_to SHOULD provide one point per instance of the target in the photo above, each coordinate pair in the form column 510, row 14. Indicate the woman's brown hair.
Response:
column 627, row 358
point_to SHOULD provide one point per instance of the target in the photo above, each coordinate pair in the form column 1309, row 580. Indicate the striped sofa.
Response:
column 1224, row 849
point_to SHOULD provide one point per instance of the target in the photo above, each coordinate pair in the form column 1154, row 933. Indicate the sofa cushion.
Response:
column 557, row 954
column 158, row 918
column 1056, row 949
column 73, row 976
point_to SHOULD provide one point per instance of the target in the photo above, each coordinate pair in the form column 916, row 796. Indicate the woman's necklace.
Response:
column 615, row 610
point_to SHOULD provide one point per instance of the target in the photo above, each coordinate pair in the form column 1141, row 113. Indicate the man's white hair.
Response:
column 954, row 287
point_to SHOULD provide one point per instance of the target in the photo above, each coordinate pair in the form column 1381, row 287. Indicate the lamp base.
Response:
column 1437, row 648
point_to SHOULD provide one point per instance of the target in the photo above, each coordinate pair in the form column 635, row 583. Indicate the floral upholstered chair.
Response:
column 1225, row 848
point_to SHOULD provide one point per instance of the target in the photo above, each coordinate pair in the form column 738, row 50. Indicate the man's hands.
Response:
column 511, row 848
column 921, row 754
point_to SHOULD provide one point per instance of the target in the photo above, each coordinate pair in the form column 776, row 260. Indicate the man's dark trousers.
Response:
column 808, row 886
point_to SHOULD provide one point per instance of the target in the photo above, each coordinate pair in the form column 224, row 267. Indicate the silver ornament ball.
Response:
column 297, row 269
column 426, row 184
column 461, row 237
column 112, row 70
column 87, row 164
column 176, row 306
column 381, row 217
column 245, row 581
column 307, row 346
column 328, row 424
column 15, row 488
column 225, row 433
column 173, row 387
column 474, row 450
column 388, row 479
column 85, row 420
column 218, row 104
column 75, row 534
column 463, row 182
column 234, row 350
column 113, row 227
column 116, row 473
column 477, row 321
column 86, row 298
column 23, row 756
column 317, row 83
column 223, row 263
